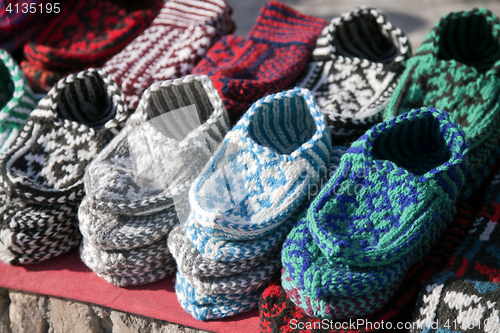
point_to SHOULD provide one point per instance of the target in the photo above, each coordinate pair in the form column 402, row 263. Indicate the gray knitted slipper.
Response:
column 191, row 262
column 356, row 65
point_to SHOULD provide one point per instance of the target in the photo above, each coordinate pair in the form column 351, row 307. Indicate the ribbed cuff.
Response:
column 279, row 23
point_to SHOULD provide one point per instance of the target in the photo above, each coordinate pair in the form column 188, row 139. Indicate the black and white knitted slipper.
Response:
column 191, row 262
column 109, row 180
column 106, row 231
column 356, row 65
column 76, row 119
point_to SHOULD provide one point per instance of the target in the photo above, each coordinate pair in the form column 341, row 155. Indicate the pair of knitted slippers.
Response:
column 125, row 220
column 42, row 173
column 355, row 67
column 460, row 76
column 391, row 196
column 243, row 202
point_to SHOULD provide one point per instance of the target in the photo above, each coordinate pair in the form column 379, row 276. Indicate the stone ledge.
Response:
column 24, row 312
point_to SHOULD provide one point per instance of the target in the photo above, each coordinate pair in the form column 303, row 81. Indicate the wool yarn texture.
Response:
column 170, row 48
column 16, row 100
column 86, row 35
column 243, row 201
column 42, row 173
column 279, row 314
column 459, row 76
column 355, row 67
column 270, row 59
column 380, row 213
column 125, row 218
column 465, row 294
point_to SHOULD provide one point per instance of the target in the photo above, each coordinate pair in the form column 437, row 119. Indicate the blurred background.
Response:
column 415, row 17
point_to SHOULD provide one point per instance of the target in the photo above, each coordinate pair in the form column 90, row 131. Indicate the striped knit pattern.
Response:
column 125, row 225
column 466, row 292
column 174, row 43
column 42, row 173
column 356, row 64
column 277, row 310
column 16, row 100
column 385, row 206
column 459, row 76
column 270, row 59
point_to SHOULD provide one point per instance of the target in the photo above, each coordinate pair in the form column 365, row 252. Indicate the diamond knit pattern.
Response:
column 270, row 59
column 174, row 43
column 380, row 212
column 459, row 76
column 356, row 64
column 16, row 100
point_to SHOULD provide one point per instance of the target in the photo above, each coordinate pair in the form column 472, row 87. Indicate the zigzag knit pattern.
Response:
column 278, row 312
column 270, row 59
column 380, row 212
column 16, row 100
column 459, row 76
column 123, row 219
column 170, row 48
column 42, row 173
column 88, row 34
column 356, row 65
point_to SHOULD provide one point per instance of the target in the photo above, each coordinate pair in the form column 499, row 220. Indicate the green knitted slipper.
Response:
column 16, row 100
column 460, row 75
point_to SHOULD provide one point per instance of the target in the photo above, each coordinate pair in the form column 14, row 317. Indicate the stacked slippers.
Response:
column 42, row 173
column 174, row 43
column 125, row 221
column 16, row 100
column 382, row 210
column 86, row 35
column 243, row 202
column 355, row 67
column 460, row 76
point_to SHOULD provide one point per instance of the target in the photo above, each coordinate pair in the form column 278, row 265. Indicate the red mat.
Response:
column 67, row 277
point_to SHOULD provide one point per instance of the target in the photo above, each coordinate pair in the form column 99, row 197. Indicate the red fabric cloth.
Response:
column 67, row 277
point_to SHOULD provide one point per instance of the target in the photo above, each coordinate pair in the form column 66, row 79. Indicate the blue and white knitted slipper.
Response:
column 264, row 169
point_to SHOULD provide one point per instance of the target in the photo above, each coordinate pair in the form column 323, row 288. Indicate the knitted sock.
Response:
column 176, row 40
column 356, row 64
column 343, row 249
column 466, row 292
column 276, row 50
column 459, row 76
column 279, row 314
column 90, row 33
column 16, row 100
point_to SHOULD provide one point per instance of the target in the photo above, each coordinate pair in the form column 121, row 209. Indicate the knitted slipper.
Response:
column 69, row 126
column 466, row 292
column 190, row 261
column 16, row 100
column 267, row 162
column 366, row 242
column 270, row 59
column 213, row 307
column 356, row 64
column 277, row 310
column 109, row 181
column 89, row 33
column 174, row 43
column 459, row 76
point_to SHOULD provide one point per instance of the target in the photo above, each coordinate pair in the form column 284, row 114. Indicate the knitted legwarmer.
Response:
column 466, row 293
column 16, row 100
column 459, row 76
column 344, row 247
column 174, row 43
column 277, row 310
column 356, row 64
column 270, row 59
column 87, row 35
